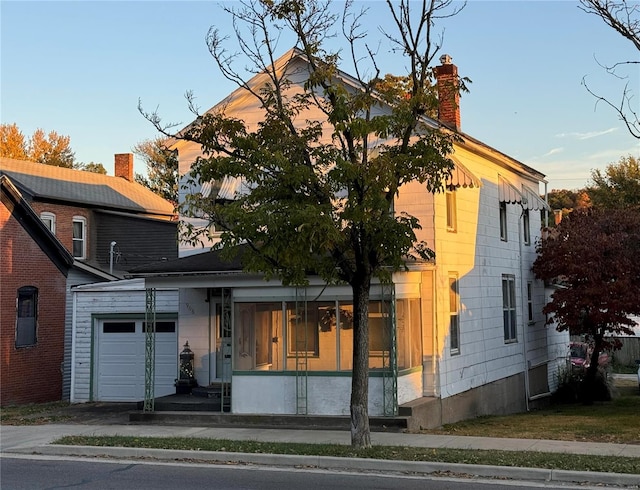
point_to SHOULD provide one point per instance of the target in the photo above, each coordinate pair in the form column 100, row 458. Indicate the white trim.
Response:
column 83, row 239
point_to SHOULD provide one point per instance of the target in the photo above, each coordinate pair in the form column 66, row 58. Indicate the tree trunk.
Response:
column 590, row 383
column 360, row 432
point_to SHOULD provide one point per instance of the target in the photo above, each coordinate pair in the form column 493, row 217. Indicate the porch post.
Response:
column 149, row 350
column 389, row 358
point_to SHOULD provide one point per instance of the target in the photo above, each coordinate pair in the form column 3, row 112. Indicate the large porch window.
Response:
column 275, row 336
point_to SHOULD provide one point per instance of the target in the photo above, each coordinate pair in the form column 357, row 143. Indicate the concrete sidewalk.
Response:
column 38, row 439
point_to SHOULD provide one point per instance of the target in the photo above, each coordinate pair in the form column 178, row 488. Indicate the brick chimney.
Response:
column 124, row 166
column 448, row 95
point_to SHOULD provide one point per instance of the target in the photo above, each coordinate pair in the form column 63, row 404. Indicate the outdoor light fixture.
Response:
column 186, row 380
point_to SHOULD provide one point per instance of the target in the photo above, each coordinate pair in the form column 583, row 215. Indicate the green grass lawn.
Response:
column 617, row 421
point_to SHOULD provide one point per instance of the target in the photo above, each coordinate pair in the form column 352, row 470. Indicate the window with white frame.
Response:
column 451, row 210
column 526, row 227
column 454, row 314
column 509, row 307
column 26, row 316
column 49, row 220
column 503, row 221
column 530, row 302
column 79, row 237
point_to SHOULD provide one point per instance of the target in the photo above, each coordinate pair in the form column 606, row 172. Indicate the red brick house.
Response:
column 61, row 228
column 34, row 268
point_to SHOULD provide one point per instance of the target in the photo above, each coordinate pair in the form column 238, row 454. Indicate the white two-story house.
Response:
column 468, row 333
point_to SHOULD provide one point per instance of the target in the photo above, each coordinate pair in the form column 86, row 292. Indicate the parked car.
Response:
column 580, row 357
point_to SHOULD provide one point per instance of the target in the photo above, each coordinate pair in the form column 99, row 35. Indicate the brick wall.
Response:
column 29, row 374
column 64, row 223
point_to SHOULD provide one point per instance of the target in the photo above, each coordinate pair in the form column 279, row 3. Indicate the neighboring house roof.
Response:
column 33, row 225
column 86, row 189
column 200, row 263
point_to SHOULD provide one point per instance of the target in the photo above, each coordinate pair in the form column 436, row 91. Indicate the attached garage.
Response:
column 108, row 342
column 121, row 359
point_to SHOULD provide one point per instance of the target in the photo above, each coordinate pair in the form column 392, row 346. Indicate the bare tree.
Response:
column 624, row 18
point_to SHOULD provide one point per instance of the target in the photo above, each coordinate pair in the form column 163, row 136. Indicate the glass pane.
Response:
column 119, row 327
column 453, row 295
column 78, row 229
column 505, row 293
column 25, row 331
column 454, row 333
column 256, row 336
column 77, row 248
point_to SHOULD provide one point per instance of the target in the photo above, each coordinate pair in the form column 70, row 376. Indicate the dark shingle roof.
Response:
column 200, row 263
column 87, row 189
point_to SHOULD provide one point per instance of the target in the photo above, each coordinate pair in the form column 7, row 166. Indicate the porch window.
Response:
column 26, row 316
column 304, row 321
column 257, row 336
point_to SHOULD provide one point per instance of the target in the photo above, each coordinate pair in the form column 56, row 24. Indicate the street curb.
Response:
column 330, row 462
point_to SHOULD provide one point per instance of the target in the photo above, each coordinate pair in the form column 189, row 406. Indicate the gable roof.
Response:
column 461, row 178
column 33, row 225
column 87, row 189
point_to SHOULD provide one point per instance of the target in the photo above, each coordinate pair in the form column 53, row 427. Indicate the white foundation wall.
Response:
column 326, row 395
column 104, row 299
column 410, row 387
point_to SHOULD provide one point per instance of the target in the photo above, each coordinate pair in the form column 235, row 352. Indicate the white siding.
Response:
column 114, row 298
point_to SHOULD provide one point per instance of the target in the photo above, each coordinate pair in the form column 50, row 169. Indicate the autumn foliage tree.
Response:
column 592, row 255
column 618, row 186
column 49, row 148
column 162, row 168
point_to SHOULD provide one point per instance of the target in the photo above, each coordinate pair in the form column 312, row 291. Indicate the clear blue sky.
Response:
column 80, row 67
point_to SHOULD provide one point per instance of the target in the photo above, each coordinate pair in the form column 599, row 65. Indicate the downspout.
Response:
column 523, row 286
column 72, row 390
column 434, row 341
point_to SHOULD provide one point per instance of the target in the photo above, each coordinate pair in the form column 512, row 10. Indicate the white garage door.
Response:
column 120, row 357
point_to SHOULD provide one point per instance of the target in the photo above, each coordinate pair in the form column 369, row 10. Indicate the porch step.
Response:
column 422, row 413
column 307, row 422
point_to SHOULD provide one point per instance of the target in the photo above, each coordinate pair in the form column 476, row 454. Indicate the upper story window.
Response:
column 49, row 220
column 451, row 210
column 503, row 221
column 509, row 307
column 454, row 316
column 526, row 227
column 79, row 237
column 26, row 316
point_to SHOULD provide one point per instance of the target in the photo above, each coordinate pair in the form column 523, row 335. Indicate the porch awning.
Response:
column 527, row 197
column 534, row 201
column 461, row 176
column 225, row 190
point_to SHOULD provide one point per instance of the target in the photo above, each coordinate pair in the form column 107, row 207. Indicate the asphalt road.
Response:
column 28, row 472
